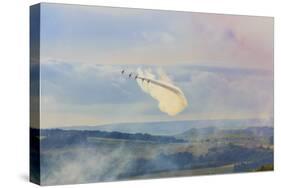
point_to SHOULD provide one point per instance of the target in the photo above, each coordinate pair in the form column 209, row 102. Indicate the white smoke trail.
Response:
column 171, row 99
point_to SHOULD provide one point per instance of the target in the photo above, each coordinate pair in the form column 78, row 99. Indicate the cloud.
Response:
column 227, row 93
column 136, row 36
column 89, row 94
column 93, row 84
column 74, row 94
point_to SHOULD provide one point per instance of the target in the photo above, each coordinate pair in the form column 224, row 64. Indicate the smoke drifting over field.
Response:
column 171, row 98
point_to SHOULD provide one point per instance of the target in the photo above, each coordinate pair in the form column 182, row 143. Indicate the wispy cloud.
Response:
column 123, row 36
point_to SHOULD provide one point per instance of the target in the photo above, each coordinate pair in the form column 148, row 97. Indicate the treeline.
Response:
column 60, row 138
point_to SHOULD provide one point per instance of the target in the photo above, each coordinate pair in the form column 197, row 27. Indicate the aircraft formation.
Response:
column 131, row 75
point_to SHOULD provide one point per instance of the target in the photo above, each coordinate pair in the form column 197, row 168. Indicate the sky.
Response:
column 222, row 63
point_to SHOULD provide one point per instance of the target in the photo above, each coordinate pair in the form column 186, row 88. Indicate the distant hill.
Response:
column 199, row 133
column 174, row 127
column 265, row 133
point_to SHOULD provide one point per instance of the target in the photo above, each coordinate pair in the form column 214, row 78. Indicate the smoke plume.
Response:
column 170, row 98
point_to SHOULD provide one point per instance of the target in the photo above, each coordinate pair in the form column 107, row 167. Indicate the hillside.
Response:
column 174, row 127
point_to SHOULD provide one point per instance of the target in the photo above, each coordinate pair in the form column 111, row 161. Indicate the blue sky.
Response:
column 223, row 64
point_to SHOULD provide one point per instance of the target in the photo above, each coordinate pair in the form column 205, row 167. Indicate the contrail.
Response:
column 162, row 84
column 170, row 97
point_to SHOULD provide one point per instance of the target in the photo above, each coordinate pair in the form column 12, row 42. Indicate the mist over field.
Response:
column 76, row 155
